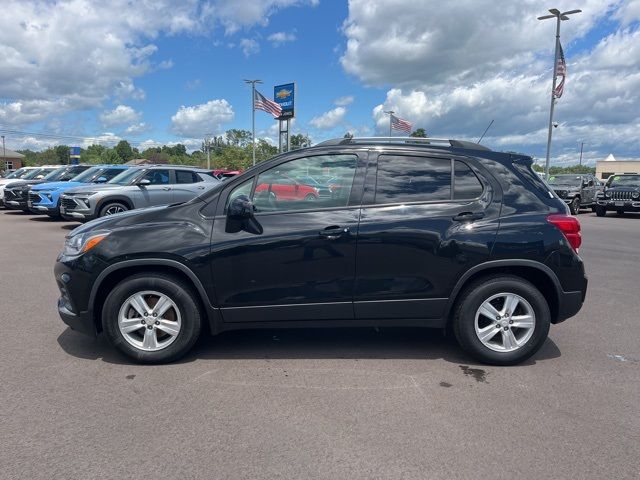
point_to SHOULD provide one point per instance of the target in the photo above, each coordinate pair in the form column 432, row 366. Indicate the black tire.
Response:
column 173, row 287
column 111, row 207
column 476, row 294
column 600, row 211
column 574, row 206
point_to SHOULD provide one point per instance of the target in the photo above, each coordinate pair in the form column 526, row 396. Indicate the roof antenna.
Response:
column 485, row 132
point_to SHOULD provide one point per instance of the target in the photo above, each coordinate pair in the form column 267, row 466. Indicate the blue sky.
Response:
column 172, row 71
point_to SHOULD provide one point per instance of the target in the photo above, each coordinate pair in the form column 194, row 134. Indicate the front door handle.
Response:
column 333, row 232
column 468, row 216
column 166, row 188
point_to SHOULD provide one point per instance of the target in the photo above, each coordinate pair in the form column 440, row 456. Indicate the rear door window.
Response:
column 404, row 178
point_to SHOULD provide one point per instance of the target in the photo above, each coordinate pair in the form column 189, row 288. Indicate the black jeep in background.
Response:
column 621, row 194
column 576, row 190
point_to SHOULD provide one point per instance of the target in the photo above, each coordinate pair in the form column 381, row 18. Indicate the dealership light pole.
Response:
column 207, row 145
column 581, row 147
column 253, row 115
column 4, row 154
column 559, row 16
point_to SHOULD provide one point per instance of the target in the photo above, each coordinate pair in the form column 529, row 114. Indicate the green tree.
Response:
column 300, row 141
column 124, row 151
column 62, row 152
column 238, row 138
column 110, row 156
column 420, row 132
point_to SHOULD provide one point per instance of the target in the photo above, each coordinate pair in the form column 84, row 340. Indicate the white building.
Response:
column 610, row 166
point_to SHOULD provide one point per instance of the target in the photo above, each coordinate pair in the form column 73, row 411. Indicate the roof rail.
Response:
column 452, row 142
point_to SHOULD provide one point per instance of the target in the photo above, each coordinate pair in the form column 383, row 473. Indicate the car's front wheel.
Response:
column 112, row 208
column 574, row 206
column 600, row 211
column 152, row 318
column 502, row 320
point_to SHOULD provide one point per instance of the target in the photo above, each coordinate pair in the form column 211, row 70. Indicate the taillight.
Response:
column 570, row 227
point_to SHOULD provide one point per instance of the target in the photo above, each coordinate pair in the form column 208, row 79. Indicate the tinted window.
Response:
column 157, row 177
column 284, row 187
column 466, row 185
column 183, row 176
column 242, row 189
column 110, row 173
column 412, row 179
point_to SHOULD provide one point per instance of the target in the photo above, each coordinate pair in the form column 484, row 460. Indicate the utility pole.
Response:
column 555, row 13
column 390, row 113
column 207, row 145
column 253, row 115
column 581, row 146
column 4, row 155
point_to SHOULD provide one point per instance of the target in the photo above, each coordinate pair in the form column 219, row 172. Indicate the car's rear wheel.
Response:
column 502, row 320
column 112, row 208
column 600, row 211
column 152, row 318
column 574, row 206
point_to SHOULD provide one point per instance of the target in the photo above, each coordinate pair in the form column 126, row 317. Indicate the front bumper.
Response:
column 629, row 205
column 16, row 204
column 74, row 283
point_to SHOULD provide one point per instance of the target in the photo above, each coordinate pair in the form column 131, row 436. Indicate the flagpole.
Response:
column 559, row 16
column 253, row 116
column 390, row 113
column 553, row 98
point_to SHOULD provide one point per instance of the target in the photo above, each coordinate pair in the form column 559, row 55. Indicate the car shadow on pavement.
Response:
column 299, row 343
column 17, row 212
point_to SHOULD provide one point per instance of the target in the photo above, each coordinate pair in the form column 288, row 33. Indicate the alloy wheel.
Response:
column 505, row 322
column 113, row 209
column 149, row 320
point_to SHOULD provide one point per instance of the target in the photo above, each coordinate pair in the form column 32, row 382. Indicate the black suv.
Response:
column 621, row 193
column 577, row 190
column 411, row 234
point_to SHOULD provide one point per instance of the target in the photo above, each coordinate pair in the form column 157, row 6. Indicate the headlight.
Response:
column 83, row 242
column 635, row 195
column 607, row 195
column 84, row 194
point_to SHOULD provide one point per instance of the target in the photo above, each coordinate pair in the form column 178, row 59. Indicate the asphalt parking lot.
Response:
column 331, row 404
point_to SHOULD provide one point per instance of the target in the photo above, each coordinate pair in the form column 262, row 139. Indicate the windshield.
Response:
column 573, row 180
column 126, row 177
column 56, row 174
column 17, row 174
column 88, row 175
column 33, row 173
column 624, row 181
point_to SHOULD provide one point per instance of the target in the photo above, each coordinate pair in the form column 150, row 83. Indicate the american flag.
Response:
column 400, row 124
column 262, row 103
column 561, row 71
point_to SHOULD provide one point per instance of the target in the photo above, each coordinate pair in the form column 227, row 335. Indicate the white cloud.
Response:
column 118, row 116
column 498, row 66
column 330, row 119
column 280, row 38
column 77, row 54
column 198, row 120
column 137, row 128
column 344, row 101
column 249, row 46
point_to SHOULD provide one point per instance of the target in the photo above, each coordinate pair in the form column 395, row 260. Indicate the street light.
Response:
column 560, row 17
column 4, row 154
column 253, row 115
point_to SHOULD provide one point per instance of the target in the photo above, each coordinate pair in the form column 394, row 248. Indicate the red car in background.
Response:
column 287, row 189
column 223, row 174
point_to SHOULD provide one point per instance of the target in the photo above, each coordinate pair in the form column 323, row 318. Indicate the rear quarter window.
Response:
column 532, row 178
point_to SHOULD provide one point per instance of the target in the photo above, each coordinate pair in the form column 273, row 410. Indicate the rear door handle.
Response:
column 333, row 232
column 468, row 216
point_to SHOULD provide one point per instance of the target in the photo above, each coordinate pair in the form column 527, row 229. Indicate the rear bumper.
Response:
column 570, row 303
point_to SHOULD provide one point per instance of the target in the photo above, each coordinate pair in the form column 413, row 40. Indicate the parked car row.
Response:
column 576, row 190
column 85, row 192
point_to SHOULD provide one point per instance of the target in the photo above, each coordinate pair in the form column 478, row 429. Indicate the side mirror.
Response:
column 102, row 180
column 240, row 208
column 144, row 182
column 240, row 216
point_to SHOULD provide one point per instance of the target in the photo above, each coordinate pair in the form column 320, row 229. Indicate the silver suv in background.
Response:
column 136, row 187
